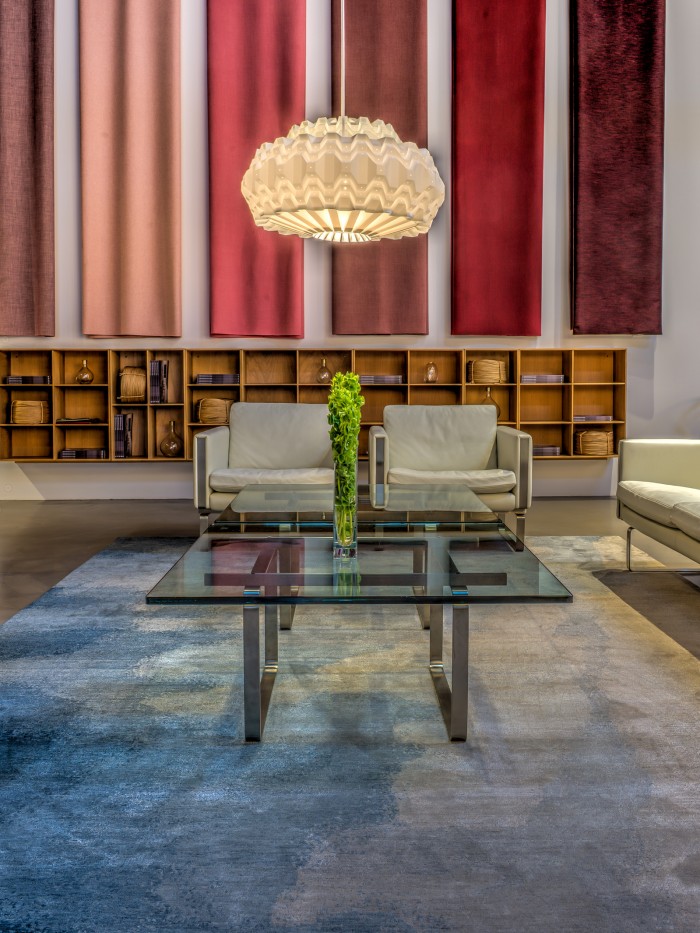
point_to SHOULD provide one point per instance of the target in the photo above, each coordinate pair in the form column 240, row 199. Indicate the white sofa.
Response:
column 658, row 492
column 264, row 442
column 455, row 445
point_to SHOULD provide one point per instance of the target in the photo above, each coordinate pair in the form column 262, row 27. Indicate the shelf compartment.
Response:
column 314, row 395
column 226, row 362
column 265, row 367
column 377, row 398
column 448, row 363
column 381, row 363
column 198, row 394
column 539, row 362
column 598, row 366
column 159, row 418
column 337, row 361
column 81, row 402
column 550, row 435
column 545, row 403
column 276, row 393
column 29, row 393
column 435, row 394
column 119, row 359
column 599, row 400
column 26, row 442
column 25, row 363
column 94, row 436
column 139, row 432
column 509, row 357
column 174, row 387
column 67, row 364
column 502, row 395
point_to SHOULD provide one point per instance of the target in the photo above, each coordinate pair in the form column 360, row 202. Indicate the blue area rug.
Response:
column 129, row 801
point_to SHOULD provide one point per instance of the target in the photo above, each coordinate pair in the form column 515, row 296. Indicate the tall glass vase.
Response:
column 345, row 510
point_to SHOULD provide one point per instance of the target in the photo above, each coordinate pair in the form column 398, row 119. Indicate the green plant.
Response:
column 344, row 406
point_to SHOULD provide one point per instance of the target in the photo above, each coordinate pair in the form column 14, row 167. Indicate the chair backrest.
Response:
column 441, row 437
column 279, row 435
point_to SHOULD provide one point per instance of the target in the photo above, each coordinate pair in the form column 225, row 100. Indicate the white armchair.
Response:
column 455, row 445
column 264, row 442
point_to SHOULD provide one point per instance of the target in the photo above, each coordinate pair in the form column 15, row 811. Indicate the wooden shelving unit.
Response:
column 594, row 385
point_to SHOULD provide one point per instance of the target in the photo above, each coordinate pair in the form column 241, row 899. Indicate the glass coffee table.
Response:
column 421, row 547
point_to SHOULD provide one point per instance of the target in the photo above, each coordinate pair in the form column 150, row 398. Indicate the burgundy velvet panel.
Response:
column 257, row 91
column 130, row 167
column 497, row 144
column 617, row 127
column 382, row 288
column 27, row 286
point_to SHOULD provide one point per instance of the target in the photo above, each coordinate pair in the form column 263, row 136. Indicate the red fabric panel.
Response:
column 257, row 91
column 130, row 167
column 617, row 141
column 497, row 141
column 382, row 288
column 27, row 290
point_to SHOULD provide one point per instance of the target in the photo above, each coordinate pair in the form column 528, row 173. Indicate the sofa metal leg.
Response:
column 520, row 530
column 203, row 520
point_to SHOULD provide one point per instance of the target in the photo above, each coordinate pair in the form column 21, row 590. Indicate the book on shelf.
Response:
column 381, row 379
column 593, row 417
column 159, row 382
column 77, row 421
column 546, row 450
column 533, row 378
column 27, row 380
column 216, row 379
column 123, row 425
column 83, row 453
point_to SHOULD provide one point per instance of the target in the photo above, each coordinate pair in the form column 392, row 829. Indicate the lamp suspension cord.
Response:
column 342, row 60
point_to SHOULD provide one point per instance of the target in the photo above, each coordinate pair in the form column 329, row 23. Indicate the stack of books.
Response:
column 159, row 382
column 593, row 417
column 27, row 380
column 546, row 450
column 217, row 379
column 123, row 424
column 530, row 378
column 77, row 421
column 83, row 453
column 381, row 380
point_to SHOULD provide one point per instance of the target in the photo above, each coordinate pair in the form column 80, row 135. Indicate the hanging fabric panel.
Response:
column 257, row 91
column 130, row 166
column 27, row 287
column 382, row 288
column 617, row 140
column 497, row 143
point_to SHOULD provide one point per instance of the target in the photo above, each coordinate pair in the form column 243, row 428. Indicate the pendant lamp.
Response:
column 343, row 180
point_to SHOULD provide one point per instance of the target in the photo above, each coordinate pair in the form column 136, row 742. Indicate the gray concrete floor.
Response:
column 41, row 542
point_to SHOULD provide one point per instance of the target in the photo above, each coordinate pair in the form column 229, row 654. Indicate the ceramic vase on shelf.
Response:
column 431, row 372
column 171, row 445
column 488, row 399
column 85, row 375
column 323, row 374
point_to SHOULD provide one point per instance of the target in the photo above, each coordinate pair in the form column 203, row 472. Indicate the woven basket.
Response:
column 132, row 384
column 29, row 412
column 487, row 372
column 214, row 410
column 594, row 443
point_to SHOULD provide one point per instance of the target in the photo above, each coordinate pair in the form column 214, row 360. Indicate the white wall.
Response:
column 663, row 394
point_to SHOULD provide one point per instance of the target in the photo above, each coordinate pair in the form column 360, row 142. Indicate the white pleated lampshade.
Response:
column 344, row 180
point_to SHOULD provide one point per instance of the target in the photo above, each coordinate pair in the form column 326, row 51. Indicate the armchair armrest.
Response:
column 674, row 462
column 514, row 452
column 378, row 455
column 210, row 453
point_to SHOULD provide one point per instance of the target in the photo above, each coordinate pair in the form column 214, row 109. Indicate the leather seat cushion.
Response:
column 686, row 516
column 655, row 501
column 234, row 479
column 480, row 481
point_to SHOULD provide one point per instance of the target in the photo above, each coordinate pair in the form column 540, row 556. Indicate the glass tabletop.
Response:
column 473, row 566
column 310, row 506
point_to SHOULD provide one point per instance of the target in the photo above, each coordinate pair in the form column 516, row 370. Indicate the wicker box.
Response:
column 30, row 411
column 487, row 372
column 214, row 410
column 594, row 443
column 132, row 384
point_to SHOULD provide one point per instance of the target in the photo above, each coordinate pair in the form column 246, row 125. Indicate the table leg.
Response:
column 288, row 563
column 453, row 702
column 257, row 688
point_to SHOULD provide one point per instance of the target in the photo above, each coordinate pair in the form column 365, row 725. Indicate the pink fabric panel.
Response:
column 130, row 166
column 497, row 156
column 27, row 290
column 382, row 288
column 257, row 91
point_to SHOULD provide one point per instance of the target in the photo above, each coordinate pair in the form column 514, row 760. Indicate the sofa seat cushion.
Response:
column 234, row 479
column 655, row 501
column 686, row 517
column 480, row 481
